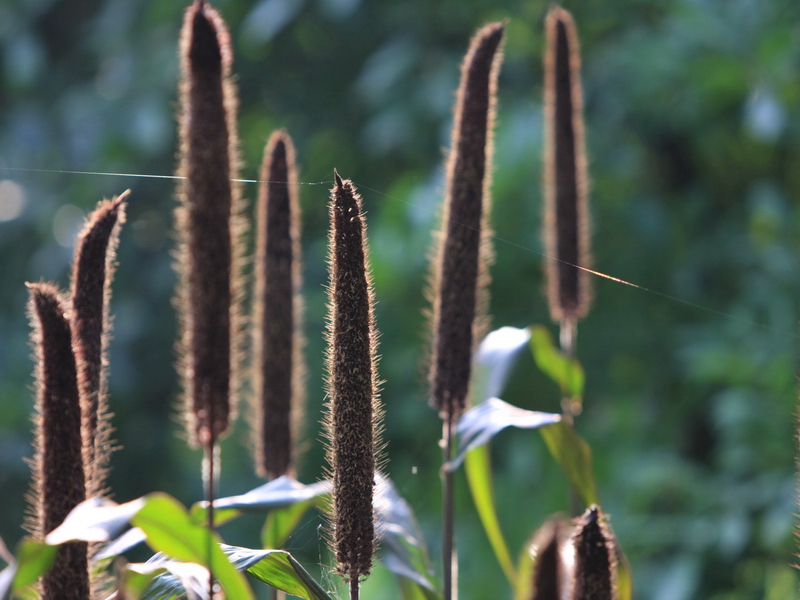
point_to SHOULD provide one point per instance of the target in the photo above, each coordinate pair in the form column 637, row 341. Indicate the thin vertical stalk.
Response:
column 353, row 416
column 59, row 481
column 460, row 273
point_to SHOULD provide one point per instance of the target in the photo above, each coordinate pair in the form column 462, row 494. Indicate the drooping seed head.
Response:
column 353, row 406
column 279, row 370
column 59, row 482
column 595, row 557
column 92, row 273
column 460, row 272
column 209, row 225
column 566, row 218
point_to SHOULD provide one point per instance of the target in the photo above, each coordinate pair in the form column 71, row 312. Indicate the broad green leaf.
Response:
column 566, row 372
column 574, row 456
column 33, row 560
column 479, row 476
column 278, row 569
column 170, row 530
column 402, row 546
column 481, row 423
column 280, row 524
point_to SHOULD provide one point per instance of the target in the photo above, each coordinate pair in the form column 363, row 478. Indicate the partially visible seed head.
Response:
column 279, row 369
column 595, row 557
column 92, row 273
column 353, row 406
column 460, row 272
column 59, row 482
column 566, row 220
column 548, row 568
column 209, row 225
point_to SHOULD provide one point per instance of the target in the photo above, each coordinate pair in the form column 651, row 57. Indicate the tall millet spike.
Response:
column 353, row 406
column 548, row 564
column 58, row 471
column 279, row 370
column 595, row 557
column 208, row 223
column 460, row 273
column 566, row 219
column 92, row 273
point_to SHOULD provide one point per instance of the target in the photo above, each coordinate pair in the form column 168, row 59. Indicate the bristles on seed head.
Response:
column 279, row 368
column 352, row 430
column 566, row 219
column 595, row 557
column 460, row 271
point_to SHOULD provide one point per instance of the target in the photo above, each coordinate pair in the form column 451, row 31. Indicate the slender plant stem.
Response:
column 568, row 337
column 448, row 512
column 353, row 588
column 209, row 476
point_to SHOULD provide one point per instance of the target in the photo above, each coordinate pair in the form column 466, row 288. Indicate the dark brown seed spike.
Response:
column 461, row 268
column 279, row 367
column 352, row 389
column 595, row 560
column 58, row 472
column 208, row 225
column 566, row 184
column 93, row 271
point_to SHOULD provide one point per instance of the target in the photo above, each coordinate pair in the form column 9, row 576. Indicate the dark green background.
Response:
column 693, row 128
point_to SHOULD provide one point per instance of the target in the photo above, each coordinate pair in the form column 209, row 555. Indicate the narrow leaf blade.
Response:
column 574, row 457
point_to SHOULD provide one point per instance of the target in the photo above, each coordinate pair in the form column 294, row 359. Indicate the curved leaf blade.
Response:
column 481, row 423
column 566, row 372
column 574, row 457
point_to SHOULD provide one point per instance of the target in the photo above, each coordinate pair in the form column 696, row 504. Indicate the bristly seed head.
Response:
column 566, row 219
column 548, row 570
column 353, row 407
column 595, row 557
column 279, row 369
column 59, row 481
column 460, row 272
column 209, row 225
column 92, row 273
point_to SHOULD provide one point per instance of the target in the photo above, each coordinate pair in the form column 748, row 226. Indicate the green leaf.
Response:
column 402, row 545
column 33, row 560
column 566, row 372
column 278, row 569
column 280, row 524
column 170, row 530
column 479, row 476
column 575, row 458
column 481, row 423
column 624, row 578
column 95, row 520
column 525, row 568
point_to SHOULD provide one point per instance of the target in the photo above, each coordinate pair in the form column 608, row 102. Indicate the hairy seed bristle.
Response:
column 548, row 563
column 209, row 224
column 595, row 558
column 566, row 219
column 92, row 273
column 279, row 369
column 59, row 482
column 353, row 407
column 460, row 271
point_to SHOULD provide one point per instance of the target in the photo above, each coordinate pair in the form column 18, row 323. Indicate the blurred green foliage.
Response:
column 693, row 125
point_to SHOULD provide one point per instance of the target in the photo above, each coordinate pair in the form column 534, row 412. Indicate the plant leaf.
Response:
column 402, row 545
column 493, row 361
column 624, row 578
column 94, row 520
column 280, row 523
column 278, row 569
column 33, row 559
column 131, row 538
column 575, row 458
column 479, row 477
column 170, row 530
column 280, row 492
column 481, row 423
column 566, row 372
